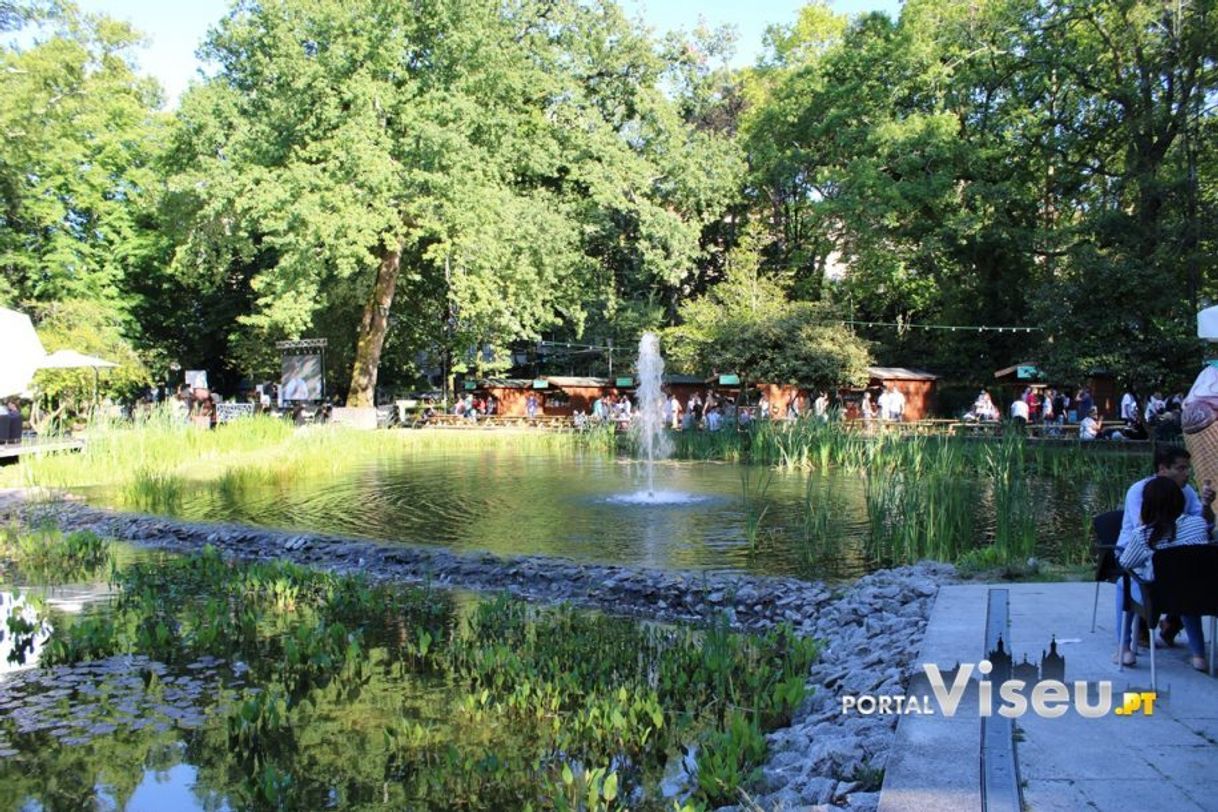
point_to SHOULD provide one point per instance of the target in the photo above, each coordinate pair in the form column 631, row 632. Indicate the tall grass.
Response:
column 153, row 461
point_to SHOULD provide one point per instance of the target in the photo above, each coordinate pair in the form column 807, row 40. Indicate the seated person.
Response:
column 1165, row 524
column 1091, row 426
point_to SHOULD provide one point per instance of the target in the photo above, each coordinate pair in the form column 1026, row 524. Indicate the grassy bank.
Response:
column 153, row 459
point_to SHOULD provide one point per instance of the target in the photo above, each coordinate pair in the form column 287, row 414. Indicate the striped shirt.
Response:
column 1138, row 553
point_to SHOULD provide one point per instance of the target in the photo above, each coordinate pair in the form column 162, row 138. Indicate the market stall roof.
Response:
column 499, row 383
column 573, row 381
column 1023, row 371
column 22, row 351
column 901, row 374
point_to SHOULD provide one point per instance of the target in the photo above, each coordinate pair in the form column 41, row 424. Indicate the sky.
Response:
column 175, row 29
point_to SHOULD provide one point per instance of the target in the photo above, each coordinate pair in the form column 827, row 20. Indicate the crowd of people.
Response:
column 1053, row 407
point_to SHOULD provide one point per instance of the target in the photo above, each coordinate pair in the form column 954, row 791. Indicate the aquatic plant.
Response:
column 45, row 555
column 567, row 708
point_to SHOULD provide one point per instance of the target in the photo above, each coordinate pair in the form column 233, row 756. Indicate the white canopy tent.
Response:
column 21, row 350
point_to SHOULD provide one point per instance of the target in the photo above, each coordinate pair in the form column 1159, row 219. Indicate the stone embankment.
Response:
column 871, row 632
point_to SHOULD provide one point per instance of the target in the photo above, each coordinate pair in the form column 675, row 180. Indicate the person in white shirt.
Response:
column 1175, row 463
column 1089, row 429
column 1129, row 406
column 1019, row 412
column 895, row 408
column 821, row 406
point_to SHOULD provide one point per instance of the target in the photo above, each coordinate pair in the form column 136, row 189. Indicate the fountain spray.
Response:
column 649, row 425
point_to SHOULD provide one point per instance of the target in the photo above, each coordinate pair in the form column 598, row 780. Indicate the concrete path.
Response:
column 1168, row 760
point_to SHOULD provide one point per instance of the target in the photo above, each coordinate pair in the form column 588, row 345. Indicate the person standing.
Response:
column 1019, row 414
column 1085, row 404
column 674, row 411
column 894, row 409
column 867, row 408
column 530, row 406
column 1129, row 406
column 821, row 406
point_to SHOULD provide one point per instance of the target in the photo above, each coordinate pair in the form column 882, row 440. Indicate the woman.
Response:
column 1164, row 525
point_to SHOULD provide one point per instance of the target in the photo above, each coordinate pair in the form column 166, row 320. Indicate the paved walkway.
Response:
column 1165, row 761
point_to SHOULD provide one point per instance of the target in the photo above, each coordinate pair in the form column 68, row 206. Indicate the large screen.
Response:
column 301, row 379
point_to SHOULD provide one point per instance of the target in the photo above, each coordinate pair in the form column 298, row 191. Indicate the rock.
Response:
column 864, row 801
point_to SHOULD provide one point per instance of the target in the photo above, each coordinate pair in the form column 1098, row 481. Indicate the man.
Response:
column 896, row 404
column 821, row 406
column 1174, row 463
column 1019, row 413
column 1085, row 402
column 1129, row 406
column 296, row 390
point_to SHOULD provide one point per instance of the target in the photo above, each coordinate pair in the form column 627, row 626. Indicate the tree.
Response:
column 79, row 133
column 746, row 325
column 482, row 171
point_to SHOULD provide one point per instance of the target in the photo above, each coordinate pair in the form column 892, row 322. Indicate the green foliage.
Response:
column 75, row 161
column 522, row 165
column 570, row 709
column 93, row 328
column 996, row 163
column 745, row 325
column 729, row 759
column 44, row 555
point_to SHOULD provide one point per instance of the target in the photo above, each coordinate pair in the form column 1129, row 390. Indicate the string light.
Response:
column 906, row 325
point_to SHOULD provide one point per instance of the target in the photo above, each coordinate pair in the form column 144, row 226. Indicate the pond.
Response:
column 203, row 684
column 588, row 506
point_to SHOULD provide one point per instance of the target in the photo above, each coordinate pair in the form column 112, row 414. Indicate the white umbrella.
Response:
column 71, row 359
column 21, row 350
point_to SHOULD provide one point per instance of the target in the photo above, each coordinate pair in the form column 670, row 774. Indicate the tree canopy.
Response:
column 452, row 181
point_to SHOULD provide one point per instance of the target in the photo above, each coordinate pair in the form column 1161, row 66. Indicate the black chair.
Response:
column 1186, row 583
column 14, row 428
column 1107, row 529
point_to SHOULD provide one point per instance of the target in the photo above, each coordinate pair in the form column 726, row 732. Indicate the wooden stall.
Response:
column 511, row 393
column 918, row 386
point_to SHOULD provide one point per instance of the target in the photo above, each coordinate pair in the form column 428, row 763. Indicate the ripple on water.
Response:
column 658, row 498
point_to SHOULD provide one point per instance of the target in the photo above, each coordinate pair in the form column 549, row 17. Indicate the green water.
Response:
column 709, row 515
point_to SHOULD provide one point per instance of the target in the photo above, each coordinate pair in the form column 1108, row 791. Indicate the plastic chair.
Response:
column 1107, row 529
column 1186, row 583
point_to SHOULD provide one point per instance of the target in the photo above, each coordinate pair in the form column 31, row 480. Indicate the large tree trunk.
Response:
column 372, row 329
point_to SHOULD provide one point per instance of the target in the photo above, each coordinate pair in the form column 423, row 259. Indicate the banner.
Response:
column 301, row 380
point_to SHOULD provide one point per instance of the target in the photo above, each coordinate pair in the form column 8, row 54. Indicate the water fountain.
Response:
column 648, row 426
column 650, row 430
